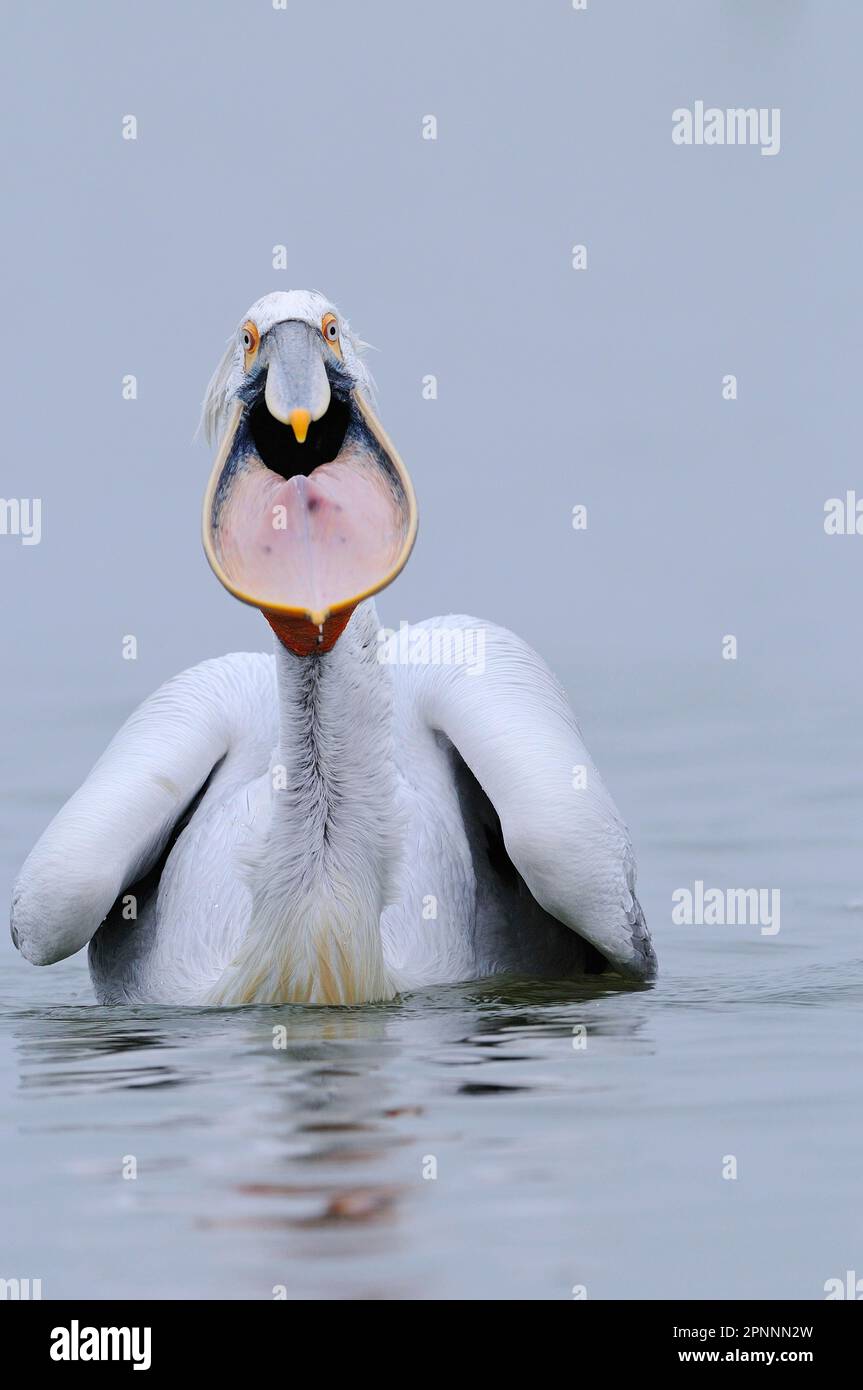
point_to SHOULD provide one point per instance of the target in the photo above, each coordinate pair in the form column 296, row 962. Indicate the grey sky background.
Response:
column 303, row 127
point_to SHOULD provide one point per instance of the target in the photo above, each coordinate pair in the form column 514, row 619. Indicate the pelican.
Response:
column 361, row 813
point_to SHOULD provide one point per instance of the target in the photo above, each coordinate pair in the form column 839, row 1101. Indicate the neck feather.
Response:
column 321, row 876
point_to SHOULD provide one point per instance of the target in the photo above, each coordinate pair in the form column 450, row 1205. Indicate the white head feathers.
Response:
column 309, row 306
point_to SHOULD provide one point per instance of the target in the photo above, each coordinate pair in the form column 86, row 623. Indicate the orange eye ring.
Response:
column 330, row 330
column 249, row 341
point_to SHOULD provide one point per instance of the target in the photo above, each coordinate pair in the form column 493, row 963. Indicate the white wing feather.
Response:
column 512, row 724
column 113, row 829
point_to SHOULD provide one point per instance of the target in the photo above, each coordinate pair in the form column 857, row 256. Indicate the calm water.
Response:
column 556, row 1165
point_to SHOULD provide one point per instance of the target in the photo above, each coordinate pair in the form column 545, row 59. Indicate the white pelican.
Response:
column 350, row 817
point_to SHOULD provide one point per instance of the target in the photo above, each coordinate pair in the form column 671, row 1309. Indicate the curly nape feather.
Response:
column 214, row 406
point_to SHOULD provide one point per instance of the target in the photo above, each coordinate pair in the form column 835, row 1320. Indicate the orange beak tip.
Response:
column 300, row 421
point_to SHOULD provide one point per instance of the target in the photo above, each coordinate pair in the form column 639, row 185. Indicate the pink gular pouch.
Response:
column 305, row 522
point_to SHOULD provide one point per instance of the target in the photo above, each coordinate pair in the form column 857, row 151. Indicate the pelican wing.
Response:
column 510, row 721
column 118, row 823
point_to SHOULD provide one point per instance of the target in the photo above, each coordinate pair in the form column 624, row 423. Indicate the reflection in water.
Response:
column 280, row 1125
column 386, row 1152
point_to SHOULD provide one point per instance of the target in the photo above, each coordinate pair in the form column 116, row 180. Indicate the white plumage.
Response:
column 336, row 827
column 342, row 849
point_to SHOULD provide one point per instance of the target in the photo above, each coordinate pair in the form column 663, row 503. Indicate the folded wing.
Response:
column 512, row 724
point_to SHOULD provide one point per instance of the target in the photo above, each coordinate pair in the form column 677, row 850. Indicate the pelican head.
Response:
column 309, row 508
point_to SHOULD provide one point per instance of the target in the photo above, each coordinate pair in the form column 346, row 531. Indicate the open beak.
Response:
column 309, row 508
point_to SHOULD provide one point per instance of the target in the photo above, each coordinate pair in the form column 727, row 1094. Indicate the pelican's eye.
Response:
column 330, row 328
column 249, row 338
